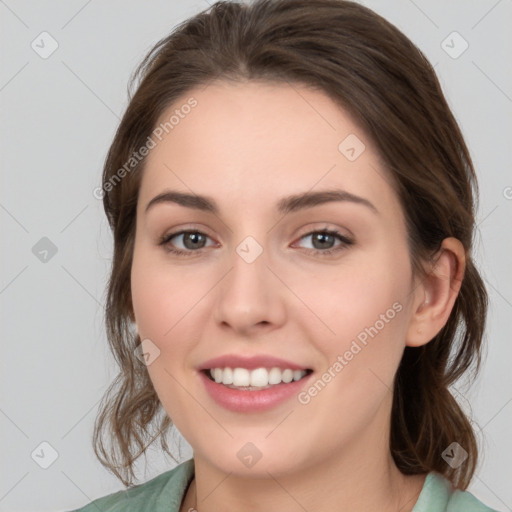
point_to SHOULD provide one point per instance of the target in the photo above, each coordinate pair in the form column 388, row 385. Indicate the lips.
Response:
column 259, row 398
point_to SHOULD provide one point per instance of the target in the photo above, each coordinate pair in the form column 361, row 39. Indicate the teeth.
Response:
column 274, row 376
column 287, row 376
column 298, row 374
column 241, row 377
column 227, row 376
column 257, row 378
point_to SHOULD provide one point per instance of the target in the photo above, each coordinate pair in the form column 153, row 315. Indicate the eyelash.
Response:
column 345, row 242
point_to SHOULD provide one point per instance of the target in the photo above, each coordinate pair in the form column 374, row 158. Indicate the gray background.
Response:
column 58, row 117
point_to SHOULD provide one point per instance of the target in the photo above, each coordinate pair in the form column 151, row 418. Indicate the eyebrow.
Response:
column 285, row 205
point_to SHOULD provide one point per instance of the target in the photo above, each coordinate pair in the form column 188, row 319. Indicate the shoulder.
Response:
column 162, row 493
column 438, row 494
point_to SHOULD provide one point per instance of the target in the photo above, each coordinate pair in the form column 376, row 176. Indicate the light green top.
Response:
column 165, row 492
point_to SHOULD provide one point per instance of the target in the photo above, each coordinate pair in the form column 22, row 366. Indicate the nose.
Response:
column 250, row 298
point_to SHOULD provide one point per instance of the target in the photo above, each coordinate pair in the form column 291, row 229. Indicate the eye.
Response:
column 193, row 241
column 324, row 241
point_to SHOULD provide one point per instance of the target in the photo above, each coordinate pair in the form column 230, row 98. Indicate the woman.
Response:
column 292, row 204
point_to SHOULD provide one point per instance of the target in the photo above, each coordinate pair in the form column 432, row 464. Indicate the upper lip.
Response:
column 258, row 361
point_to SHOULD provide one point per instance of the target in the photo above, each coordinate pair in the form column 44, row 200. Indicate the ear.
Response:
column 436, row 293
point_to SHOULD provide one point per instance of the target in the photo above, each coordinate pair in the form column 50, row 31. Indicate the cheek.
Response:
column 161, row 300
column 365, row 308
column 171, row 308
column 150, row 300
column 161, row 295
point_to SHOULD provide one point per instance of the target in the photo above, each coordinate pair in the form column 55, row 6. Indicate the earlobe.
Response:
column 437, row 293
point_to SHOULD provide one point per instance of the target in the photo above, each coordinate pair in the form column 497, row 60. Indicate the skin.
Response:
column 247, row 145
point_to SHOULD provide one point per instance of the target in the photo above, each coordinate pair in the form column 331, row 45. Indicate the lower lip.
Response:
column 252, row 401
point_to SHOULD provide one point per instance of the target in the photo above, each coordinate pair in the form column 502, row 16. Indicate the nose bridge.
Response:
column 248, row 295
column 247, row 282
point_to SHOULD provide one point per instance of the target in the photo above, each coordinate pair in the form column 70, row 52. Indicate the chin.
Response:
column 251, row 460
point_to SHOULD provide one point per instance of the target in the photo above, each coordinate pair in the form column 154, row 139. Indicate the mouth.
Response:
column 257, row 379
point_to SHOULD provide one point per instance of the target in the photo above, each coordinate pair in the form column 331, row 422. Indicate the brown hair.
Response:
column 371, row 69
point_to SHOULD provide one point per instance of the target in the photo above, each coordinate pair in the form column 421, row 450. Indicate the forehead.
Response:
column 259, row 141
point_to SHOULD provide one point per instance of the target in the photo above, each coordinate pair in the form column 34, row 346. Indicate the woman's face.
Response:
column 260, row 278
